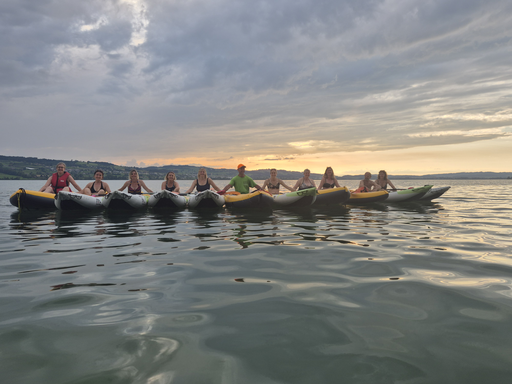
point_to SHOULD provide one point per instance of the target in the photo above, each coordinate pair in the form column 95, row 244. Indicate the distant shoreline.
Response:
column 33, row 168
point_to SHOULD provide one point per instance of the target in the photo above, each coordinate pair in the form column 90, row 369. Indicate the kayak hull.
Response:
column 167, row 200
column 68, row 201
column 118, row 200
column 361, row 198
column 408, row 195
column 332, row 196
column 31, row 200
column 434, row 193
column 301, row 198
column 206, row 200
column 255, row 200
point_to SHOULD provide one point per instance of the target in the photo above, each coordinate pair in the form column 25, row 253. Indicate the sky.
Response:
column 412, row 87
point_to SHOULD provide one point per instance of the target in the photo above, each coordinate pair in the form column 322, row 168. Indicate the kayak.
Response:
column 411, row 194
column 166, row 199
column 254, row 200
column 301, row 198
column 332, row 196
column 206, row 199
column 118, row 200
column 24, row 199
column 367, row 197
column 72, row 201
column 434, row 193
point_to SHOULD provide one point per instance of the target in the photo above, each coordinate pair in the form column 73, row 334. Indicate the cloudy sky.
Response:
column 408, row 86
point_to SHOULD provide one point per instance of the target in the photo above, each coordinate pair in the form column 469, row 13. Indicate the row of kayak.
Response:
column 25, row 199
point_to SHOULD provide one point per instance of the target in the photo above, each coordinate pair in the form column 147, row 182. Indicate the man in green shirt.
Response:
column 241, row 182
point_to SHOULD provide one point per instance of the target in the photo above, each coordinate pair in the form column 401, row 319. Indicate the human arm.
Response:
column 176, row 188
column 322, row 182
column 143, row 185
column 213, row 185
column 107, row 188
column 374, row 186
column 336, row 182
column 46, row 185
column 297, row 185
column 74, row 184
column 391, row 184
column 223, row 190
column 265, row 184
column 284, row 185
column 194, row 183
column 124, row 185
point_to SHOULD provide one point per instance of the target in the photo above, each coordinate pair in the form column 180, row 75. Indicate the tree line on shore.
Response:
column 33, row 168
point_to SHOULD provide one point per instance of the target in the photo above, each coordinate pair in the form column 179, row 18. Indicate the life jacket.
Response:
column 58, row 185
column 361, row 189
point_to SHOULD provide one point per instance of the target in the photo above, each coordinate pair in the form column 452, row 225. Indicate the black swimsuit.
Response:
column 201, row 188
column 170, row 189
column 271, row 186
column 95, row 191
column 327, row 185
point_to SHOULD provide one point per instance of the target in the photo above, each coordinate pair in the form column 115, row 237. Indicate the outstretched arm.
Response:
column 124, row 185
column 297, row 184
column 143, row 184
column 284, row 185
column 391, row 184
column 46, row 185
column 213, row 185
column 74, row 184
column 192, row 187
column 322, row 182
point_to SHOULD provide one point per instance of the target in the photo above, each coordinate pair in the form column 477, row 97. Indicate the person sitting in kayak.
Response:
column 304, row 182
column 273, row 183
column 97, row 187
column 328, row 180
column 383, row 181
column 170, row 183
column 203, row 182
column 368, row 185
column 241, row 182
column 135, row 184
column 60, row 181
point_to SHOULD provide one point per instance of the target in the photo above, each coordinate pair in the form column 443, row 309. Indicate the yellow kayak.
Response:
column 254, row 200
column 367, row 197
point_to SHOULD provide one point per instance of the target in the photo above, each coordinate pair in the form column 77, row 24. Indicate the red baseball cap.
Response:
column 240, row 166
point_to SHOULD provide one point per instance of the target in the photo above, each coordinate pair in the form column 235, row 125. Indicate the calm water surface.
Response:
column 417, row 293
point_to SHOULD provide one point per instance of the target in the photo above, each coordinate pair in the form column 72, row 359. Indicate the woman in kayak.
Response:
column 304, row 182
column 135, row 184
column 383, row 181
column 170, row 183
column 98, row 186
column 203, row 182
column 60, row 181
column 328, row 180
column 273, row 183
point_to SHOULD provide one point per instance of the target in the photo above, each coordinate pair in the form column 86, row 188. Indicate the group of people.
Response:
column 242, row 183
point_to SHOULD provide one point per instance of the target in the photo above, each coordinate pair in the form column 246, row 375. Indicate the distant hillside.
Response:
column 33, row 168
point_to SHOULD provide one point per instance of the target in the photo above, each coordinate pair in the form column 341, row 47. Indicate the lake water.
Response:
column 417, row 293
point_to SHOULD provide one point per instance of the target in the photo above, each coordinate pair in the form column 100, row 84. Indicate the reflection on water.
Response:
column 413, row 293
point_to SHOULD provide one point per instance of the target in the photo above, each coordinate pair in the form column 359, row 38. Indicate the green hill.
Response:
column 33, row 168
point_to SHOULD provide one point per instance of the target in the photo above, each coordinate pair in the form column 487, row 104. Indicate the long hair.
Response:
column 385, row 174
column 326, row 169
